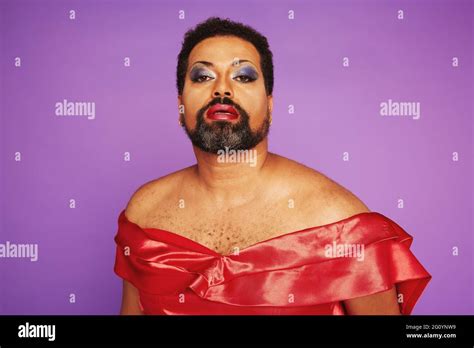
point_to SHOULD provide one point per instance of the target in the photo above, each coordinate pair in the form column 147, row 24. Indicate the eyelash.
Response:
column 248, row 78
column 198, row 79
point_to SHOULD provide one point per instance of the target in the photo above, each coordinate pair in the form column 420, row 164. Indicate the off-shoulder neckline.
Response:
column 241, row 250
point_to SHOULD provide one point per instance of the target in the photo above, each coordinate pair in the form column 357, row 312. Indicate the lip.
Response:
column 222, row 112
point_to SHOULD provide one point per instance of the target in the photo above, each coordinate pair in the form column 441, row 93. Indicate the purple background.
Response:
column 336, row 110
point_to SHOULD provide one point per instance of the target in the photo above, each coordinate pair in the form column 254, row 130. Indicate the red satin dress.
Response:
column 298, row 273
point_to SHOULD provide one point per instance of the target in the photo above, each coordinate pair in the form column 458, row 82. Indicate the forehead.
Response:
column 222, row 50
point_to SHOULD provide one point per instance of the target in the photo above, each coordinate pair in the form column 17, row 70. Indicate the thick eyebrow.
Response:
column 233, row 62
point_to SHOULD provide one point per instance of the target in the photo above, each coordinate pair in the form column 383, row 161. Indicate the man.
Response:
column 225, row 84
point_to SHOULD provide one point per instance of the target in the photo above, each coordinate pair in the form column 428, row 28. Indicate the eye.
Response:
column 202, row 78
column 244, row 78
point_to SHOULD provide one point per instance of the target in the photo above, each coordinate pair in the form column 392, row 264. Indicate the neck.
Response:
column 231, row 177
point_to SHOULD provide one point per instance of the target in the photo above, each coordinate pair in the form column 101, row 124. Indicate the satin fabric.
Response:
column 291, row 274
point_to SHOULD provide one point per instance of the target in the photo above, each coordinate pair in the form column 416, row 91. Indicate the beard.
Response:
column 222, row 134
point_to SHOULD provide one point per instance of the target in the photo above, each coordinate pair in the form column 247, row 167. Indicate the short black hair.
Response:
column 215, row 26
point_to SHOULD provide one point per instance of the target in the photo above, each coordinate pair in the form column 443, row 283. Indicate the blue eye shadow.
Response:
column 248, row 71
column 198, row 72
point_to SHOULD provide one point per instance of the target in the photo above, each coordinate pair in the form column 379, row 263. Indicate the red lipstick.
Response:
column 222, row 112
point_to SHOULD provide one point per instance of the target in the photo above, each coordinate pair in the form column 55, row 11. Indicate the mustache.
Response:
column 223, row 100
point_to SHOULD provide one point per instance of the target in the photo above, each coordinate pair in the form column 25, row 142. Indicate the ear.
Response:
column 180, row 102
column 270, row 103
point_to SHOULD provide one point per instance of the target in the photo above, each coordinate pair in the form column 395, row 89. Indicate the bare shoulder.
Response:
column 151, row 193
column 319, row 193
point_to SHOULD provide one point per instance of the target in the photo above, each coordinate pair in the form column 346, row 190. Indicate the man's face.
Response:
column 224, row 97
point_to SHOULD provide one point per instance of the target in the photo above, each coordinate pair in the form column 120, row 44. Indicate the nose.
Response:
column 222, row 89
column 226, row 94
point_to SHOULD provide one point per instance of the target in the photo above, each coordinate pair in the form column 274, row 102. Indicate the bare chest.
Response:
column 225, row 233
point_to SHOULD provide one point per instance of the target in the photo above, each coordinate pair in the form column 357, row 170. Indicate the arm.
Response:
column 382, row 303
column 130, row 296
column 345, row 204
column 130, row 300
